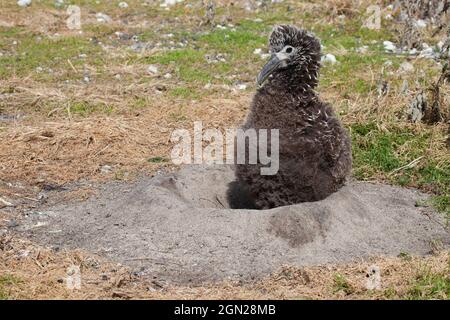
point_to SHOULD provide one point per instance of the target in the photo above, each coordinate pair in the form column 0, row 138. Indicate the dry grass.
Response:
column 34, row 272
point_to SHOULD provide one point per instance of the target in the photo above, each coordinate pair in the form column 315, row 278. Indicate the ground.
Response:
column 82, row 108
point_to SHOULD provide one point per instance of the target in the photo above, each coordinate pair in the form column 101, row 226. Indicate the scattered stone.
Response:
column 241, row 86
column 420, row 24
column 167, row 76
column 153, row 69
column 389, row 46
column 59, row 3
column 215, row 58
column 123, row 5
column 125, row 36
column 24, row 3
column 362, row 49
column 86, row 78
column 413, row 51
column 169, row 3
column 257, row 51
column 427, row 52
column 105, row 169
column 103, row 18
column 329, row 58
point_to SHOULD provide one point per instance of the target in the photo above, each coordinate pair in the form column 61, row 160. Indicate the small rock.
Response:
column 24, row 3
column 241, row 86
column 389, row 46
column 420, row 24
column 257, row 51
column 105, row 169
column 152, row 69
column 362, row 49
column 59, row 3
column 169, row 3
column 427, row 53
column 104, row 18
column 413, row 51
column 86, row 78
column 123, row 5
column 167, row 76
column 329, row 58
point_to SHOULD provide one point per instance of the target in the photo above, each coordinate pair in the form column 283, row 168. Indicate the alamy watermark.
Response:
column 73, row 278
column 73, row 22
column 233, row 146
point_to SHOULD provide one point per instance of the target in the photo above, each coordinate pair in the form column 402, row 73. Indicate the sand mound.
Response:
column 179, row 228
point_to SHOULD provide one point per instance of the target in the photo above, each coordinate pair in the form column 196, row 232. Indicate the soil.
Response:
column 179, row 228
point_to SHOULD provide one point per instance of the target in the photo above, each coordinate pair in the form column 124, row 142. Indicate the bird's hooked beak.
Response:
column 276, row 61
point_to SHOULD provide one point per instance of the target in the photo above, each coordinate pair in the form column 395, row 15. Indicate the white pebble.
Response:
column 123, row 5
column 420, row 24
column 24, row 3
column 101, row 17
column 257, row 51
column 389, row 46
column 329, row 58
column 152, row 69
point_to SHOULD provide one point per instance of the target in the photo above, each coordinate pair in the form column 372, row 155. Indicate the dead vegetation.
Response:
column 28, row 271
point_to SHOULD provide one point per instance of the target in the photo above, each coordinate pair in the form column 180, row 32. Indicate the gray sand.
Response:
column 179, row 228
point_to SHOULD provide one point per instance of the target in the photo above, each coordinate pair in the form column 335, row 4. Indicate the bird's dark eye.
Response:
column 288, row 49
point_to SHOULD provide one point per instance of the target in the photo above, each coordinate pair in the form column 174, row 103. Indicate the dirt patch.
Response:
column 177, row 228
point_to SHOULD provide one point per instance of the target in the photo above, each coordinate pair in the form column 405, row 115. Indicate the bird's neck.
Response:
column 296, row 82
column 295, row 88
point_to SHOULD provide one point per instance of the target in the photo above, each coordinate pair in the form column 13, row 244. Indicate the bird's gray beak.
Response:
column 276, row 60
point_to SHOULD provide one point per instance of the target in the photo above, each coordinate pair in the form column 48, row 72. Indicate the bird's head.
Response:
column 295, row 57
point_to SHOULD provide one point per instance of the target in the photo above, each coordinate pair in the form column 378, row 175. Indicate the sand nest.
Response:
column 179, row 227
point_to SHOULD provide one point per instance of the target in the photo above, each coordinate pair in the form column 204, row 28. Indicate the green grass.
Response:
column 5, row 282
column 341, row 284
column 32, row 51
column 379, row 152
column 429, row 285
column 157, row 160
